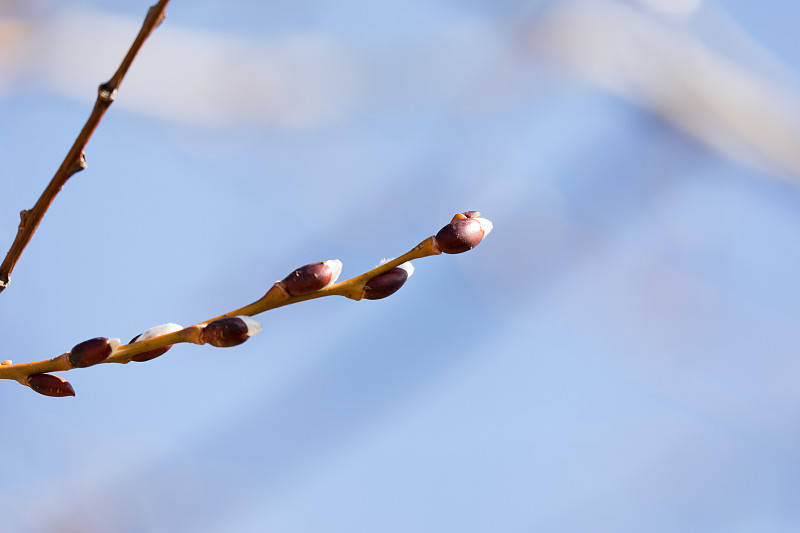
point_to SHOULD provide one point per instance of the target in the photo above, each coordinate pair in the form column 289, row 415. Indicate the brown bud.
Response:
column 313, row 277
column 156, row 331
column 472, row 214
column 152, row 354
column 50, row 385
column 230, row 331
column 91, row 352
column 388, row 283
column 146, row 356
column 462, row 235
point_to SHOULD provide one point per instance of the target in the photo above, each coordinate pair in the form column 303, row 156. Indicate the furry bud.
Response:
column 230, row 331
column 91, row 352
column 312, row 278
column 463, row 234
column 50, row 385
column 388, row 283
column 155, row 331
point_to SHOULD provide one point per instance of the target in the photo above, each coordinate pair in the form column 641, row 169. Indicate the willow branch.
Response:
column 463, row 233
column 75, row 160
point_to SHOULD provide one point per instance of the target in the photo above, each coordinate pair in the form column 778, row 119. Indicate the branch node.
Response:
column 107, row 91
column 155, row 11
column 23, row 219
column 78, row 164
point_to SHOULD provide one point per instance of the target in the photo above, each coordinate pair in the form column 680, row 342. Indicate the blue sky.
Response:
column 620, row 354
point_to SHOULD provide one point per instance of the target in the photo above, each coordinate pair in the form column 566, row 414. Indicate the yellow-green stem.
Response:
column 352, row 288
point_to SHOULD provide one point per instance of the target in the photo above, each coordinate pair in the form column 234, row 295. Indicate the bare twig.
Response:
column 75, row 161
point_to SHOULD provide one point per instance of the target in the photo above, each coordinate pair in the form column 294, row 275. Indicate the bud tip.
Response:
column 408, row 267
column 486, row 225
column 253, row 325
column 157, row 331
column 336, row 270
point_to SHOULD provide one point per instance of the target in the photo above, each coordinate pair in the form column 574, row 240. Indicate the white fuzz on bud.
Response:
column 157, row 331
column 253, row 325
column 114, row 344
column 408, row 267
column 486, row 226
column 336, row 270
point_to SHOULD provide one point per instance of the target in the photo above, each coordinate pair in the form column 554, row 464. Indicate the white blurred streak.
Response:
column 666, row 68
column 12, row 54
column 672, row 7
column 200, row 76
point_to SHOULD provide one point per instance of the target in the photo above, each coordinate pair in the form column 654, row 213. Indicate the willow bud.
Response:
column 389, row 282
column 50, row 385
column 463, row 234
column 230, row 331
column 155, row 331
column 312, row 278
column 91, row 352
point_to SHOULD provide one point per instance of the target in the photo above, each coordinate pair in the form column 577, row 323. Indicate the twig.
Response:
column 464, row 232
column 75, row 160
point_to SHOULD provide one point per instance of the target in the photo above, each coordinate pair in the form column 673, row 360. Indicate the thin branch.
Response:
column 464, row 232
column 75, row 161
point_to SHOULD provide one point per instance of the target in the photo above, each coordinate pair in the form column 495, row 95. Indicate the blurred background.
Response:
column 620, row 355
